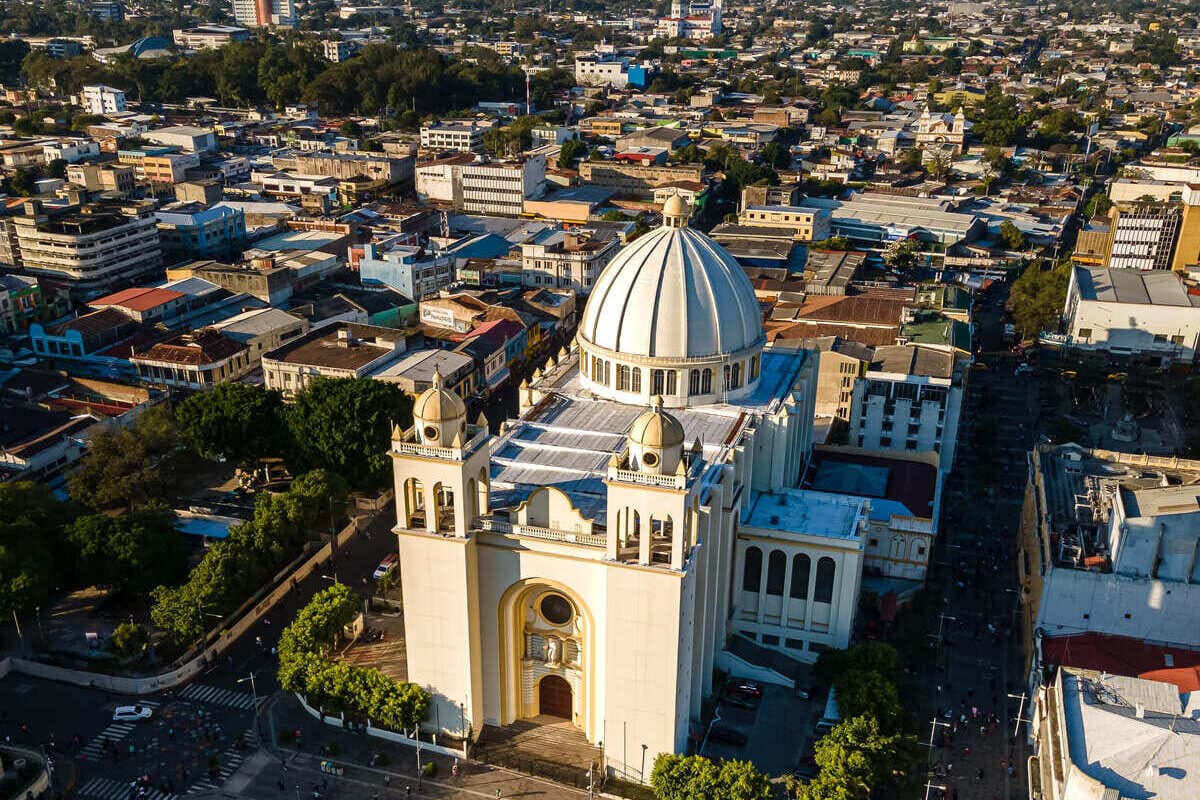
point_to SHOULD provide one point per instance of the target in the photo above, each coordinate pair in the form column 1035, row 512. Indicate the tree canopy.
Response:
column 34, row 558
column 698, row 778
column 344, row 425
column 129, row 467
column 131, row 552
column 1037, row 298
column 237, row 421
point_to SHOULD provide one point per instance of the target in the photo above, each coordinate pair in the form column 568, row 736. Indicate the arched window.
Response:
column 671, row 387
column 622, row 378
column 658, row 381
column 736, row 381
column 752, row 572
column 693, row 382
column 776, row 566
column 823, row 593
column 706, row 381
column 754, row 367
column 607, row 378
column 800, row 566
column 725, row 371
column 635, row 382
column 597, row 369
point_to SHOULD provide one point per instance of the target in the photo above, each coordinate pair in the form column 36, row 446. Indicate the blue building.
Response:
column 196, row 231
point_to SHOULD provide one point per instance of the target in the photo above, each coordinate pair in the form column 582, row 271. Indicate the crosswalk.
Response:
column 203, row 693
column 108, row 789
column 113, row 733
column 230, row 760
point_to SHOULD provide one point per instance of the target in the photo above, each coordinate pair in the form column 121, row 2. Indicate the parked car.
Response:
column 131, row 713
column 740, row 700
column 745, row 686
column 1023, row 369
column 385, row 566
column 721, row 733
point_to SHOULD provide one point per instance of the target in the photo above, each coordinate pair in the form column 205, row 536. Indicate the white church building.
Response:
column 592, row 560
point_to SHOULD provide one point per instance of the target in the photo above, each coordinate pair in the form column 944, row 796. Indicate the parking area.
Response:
column 775, row 728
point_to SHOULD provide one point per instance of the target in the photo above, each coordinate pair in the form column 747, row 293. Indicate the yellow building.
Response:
column 1187, row 248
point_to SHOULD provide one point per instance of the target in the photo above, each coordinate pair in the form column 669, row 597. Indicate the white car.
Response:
column 385, row 566
column 131, row 713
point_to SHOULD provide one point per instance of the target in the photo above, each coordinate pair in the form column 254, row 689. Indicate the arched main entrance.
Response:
column 554, row 697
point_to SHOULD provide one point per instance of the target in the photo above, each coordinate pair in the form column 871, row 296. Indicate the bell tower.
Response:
column 440, row 465
column 650, row 492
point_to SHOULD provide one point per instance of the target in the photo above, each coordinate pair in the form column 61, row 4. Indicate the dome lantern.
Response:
column 439, row 414
column 656, row 441
column 675, row 212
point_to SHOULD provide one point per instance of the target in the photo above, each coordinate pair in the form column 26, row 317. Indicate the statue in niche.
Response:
column 553, row 649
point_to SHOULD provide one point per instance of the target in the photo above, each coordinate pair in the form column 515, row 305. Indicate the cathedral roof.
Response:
column 673, row 293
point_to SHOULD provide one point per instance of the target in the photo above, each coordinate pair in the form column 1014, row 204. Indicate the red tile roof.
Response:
column 138, row 298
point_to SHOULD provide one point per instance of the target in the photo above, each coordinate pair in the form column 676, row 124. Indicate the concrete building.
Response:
column 341, row 350
column 262, row 330
column 909, row 399
column 1143, row 235
column 195, row 231
column 1129, row 312
column 483, row 187
column 194, row 360
column 102, row 100
column 613, row 71
column 70, row 150
column 637, row 180
column 807, row 224
column 409, row 270
column 103, row 177
column 20, row 302
column 263, row 13
column 1109, row 736
column 209, row 37
column 188, row 138
column 93, row 248
column 697, row 20
column 591, row 562
column 873, row 218
column 465, row 136
column 108, row 10
column 566, row 259
column 1187, row 244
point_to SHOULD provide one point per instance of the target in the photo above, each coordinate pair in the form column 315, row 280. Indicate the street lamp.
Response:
column 253, row 691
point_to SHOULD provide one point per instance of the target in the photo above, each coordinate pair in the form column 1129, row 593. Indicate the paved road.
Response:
column 974, row 580
column 208, row 722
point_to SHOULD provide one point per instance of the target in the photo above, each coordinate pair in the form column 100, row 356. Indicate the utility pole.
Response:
column 1020, row 712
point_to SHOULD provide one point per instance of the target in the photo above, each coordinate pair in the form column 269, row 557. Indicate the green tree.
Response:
column 24, row 180
column 34, row 558
column 999, row 123
column 344, row 425
column 57, row 168
column 240, row 422
column 128, row 467
column 132, row 552
column 901, row 254
column 690, row 777
column 859, row 761
column 1037, row 298
column 1098, row 206
column 1011, row 236
column 127, row 640
column 571, row 150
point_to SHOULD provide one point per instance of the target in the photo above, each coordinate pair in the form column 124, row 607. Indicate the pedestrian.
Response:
column 387, row 781
column 979, row 775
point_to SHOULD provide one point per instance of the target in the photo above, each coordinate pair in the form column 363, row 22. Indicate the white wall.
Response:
column 1132, row 327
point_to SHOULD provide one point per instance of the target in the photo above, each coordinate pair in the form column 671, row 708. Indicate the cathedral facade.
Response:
column 591, row 561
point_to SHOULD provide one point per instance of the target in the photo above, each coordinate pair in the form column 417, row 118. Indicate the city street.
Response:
column 968, row 712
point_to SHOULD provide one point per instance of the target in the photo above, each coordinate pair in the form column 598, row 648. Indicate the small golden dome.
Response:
column 439, row 404
column 656, row 428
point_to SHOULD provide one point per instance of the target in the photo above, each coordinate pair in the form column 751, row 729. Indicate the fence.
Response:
column 339, row 720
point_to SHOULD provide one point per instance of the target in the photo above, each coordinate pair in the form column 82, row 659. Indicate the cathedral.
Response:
column 592, row 560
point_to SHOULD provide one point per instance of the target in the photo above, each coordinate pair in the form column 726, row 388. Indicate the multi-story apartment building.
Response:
column 566, row 259
column 1144, row 235
column 70, row 150
column 169, row 168
column 92, row 248
column 909, row 399
column 193, row 360
column 192, row 230
column 465, row 136
column 483, row 187
column 610, row 70
column 108, row 10
column 101, row 99
column 340, row 350
column 261, row 13
column 391, row 170
column 209, row 37
column 407, row 269
column 637, row 180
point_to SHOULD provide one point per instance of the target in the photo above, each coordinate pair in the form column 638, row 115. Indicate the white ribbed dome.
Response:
column 674, row 293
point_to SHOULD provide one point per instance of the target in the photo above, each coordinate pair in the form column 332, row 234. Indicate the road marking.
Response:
column 230, row 761
column 204, row 693
column 108, row 789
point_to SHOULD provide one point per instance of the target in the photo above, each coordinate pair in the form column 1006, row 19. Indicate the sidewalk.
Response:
column 297, row 763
